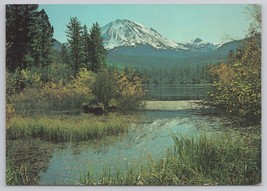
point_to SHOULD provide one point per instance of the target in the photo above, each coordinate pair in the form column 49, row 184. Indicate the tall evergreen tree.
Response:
column 86, row 47
column 97, row 51
column 64, row 53
column 20, row 33
column 74, row 34
column 28, row 36
column 45, row 43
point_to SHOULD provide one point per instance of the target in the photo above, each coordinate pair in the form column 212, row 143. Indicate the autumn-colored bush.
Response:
column 131, row 90
column 55, row 96
column 21, row 79
column 124, row 89
column 237, row 83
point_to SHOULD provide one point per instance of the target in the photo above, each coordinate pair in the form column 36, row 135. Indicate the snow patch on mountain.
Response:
column 128, row 33
column 199, row 45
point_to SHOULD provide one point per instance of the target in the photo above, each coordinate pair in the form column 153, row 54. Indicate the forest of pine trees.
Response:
column 28, row 37
column 29, row 41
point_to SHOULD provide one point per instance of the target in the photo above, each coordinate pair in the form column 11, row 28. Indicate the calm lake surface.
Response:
column 177, row 92
column 148, row 139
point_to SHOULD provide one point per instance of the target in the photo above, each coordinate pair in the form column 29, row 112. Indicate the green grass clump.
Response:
column 66, row 128
column 18, row 176
column 220, row 159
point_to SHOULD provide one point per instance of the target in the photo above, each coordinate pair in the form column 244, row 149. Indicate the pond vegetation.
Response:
column 66, row 128
column 217, row 159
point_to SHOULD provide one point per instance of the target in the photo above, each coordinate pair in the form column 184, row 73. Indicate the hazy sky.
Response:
column 181, row 23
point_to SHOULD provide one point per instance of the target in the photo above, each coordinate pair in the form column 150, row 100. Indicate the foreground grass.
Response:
column 17, row 176
column 25, row 158
column 66, row 128
column 222, row 159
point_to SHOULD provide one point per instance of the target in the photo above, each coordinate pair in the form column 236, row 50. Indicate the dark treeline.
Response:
column 28, row 38
column 171, row 73
column 179, row 74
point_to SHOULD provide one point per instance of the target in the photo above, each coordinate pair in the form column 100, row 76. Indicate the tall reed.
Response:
column 220, row 159
column 66, row 128
column 18, row 176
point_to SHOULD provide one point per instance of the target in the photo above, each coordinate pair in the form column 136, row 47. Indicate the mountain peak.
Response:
column 197, row 40
column 121, row 21
column 200, row 46
column 128, row 33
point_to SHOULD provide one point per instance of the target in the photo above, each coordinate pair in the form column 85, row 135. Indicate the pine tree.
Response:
column 45, row 43
column 64, row 53
column 21, row 31
column 74, row 34
column 28, row 36
column 97, row 51
column 86, row 47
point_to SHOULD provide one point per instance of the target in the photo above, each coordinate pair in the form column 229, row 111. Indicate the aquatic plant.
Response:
column 66, row 128
column 221, row 159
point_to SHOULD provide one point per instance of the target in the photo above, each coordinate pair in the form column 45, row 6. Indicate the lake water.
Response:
column 148, row 139
column 177, row 92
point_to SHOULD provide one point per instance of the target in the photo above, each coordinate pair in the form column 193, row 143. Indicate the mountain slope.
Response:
column 127, row 33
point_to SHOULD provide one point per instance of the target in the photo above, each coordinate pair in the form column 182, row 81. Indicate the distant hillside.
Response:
column 57, row 45
column 143, row 55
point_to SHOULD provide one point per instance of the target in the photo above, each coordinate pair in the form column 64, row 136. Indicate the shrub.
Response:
column 131, row 91
column 10, row 112
column 237, row 83
column 55, row 96
column 27, row 79
column 105, row 87
column 124, row 88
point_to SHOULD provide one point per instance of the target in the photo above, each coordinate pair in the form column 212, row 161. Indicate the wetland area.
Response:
column 148, row 138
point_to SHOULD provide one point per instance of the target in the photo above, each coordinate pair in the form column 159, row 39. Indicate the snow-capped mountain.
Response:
column 199, row 45
column 127, row 33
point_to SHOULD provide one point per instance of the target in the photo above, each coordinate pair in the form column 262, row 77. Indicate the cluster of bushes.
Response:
column 237, row 83
column 123, row 89
column 27, row 93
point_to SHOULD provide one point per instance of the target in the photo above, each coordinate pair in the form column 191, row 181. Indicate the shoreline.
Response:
column 172, row 105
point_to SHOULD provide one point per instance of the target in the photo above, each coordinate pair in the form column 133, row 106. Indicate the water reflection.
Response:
column 175, row 92
column 149, row 139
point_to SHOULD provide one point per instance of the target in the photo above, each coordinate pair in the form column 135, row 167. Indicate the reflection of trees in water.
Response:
column 173, row 92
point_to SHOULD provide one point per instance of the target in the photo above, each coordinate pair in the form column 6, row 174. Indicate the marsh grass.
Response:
column 221, row 159
column 25, row 158
column 47, row 102
column 18, row 176
column 66, row 128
